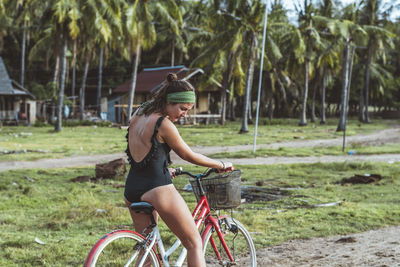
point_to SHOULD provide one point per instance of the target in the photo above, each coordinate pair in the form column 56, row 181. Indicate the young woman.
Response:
column 151, row 136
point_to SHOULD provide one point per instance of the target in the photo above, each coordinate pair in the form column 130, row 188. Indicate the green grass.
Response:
column 64, row 214
column 86, row 140
column 81, row 140
column 279, row 130
column 356, row 149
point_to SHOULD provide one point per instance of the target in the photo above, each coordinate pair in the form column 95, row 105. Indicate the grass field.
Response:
column 32, row 143
column 354, row 149
column 69, row 217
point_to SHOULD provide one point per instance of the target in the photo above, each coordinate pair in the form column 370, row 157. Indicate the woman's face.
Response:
column 178, row 110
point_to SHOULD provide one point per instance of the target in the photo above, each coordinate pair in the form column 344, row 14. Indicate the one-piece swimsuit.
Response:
column 149, row 173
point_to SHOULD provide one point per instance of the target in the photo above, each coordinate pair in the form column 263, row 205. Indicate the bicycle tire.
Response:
column 115, row 249
column 238, row 240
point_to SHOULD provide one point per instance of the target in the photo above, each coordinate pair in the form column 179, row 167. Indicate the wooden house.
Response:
column 149, row 80
column 17, row 105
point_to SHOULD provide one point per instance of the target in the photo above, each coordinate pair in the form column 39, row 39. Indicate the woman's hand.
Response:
column 172, row 172
column 226, row 167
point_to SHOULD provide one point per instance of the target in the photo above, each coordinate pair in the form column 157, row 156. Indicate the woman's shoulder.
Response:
column 167, row 126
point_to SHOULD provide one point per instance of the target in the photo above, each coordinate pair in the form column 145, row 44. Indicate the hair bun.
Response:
column 172, row 77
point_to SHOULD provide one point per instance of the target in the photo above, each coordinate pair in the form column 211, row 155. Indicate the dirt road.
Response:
column 380, row 137
column 372, row 248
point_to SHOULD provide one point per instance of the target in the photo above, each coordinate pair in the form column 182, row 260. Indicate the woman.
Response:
column 151, row 136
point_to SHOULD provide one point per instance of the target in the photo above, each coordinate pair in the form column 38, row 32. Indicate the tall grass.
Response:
column 70, row 217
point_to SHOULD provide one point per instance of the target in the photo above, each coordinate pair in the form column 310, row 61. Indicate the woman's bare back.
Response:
column 141, row 129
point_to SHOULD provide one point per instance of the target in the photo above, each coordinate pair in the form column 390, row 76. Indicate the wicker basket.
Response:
column 222, row 190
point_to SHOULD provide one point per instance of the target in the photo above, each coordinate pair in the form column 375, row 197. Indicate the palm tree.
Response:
column 379, row 39
column 347, row 70
column 312, row 42
column 353, row 34
column 107, row 16
column 224, row 48
column 251, row 14
column 328, row 61
column 5, row 20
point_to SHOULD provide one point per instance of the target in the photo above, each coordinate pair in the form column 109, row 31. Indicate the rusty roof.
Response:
column 149, row 78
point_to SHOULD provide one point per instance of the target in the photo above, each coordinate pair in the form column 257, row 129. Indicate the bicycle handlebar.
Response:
column 180, row 171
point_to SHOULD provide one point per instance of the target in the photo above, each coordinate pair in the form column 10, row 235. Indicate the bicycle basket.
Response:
column 222, row 190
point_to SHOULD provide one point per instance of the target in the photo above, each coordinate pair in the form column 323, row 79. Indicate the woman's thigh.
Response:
column 175, row 213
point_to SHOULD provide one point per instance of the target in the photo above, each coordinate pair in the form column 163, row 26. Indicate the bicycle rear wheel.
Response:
column 116, row 248
column 238, row 241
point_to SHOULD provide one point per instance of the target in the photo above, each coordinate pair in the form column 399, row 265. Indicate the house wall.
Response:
column 10, row 107
column 138, row 99
column 31, row 111
column 113, row 113
column 203, row 102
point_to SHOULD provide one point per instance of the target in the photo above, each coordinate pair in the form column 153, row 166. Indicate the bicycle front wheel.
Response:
column 238, row 241
column 120, row 248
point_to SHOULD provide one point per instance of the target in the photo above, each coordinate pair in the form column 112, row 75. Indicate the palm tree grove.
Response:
column 321, row 58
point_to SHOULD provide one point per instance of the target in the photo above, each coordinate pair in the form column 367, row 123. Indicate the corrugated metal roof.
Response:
column 152, row 77
column 7, row 86
column 5, row 82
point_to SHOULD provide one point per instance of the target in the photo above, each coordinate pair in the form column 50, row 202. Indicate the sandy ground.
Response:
column 373, row 248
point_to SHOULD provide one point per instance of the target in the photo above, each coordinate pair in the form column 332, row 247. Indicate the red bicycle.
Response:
column 226, row 241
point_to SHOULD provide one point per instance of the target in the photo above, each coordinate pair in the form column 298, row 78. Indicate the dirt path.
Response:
column 380, row 137
column 377, row 138
column 372, row 248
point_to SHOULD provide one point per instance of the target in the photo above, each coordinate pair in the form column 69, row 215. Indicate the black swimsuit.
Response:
column 149, row 173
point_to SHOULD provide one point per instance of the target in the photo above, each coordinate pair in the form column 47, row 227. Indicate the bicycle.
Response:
column 226, row 241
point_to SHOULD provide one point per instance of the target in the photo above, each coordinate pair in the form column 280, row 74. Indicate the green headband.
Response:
column 182, row 97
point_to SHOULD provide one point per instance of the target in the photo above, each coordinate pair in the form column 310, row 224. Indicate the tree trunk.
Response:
column 225, row 86
column 56, row 72
column 55, row 88
column 83, row 87
column 173, row 53
column 223, row 105
column 249, row 79
column 232, row 116
column 73, row 85
column 133, row 83
column 303, row 120
column 23, row 50
column 180, row 58
column 313, row 117
column 159, row 56
column 58, row 126
column 323, row 94
column 270, row 109
column 367, row 75
column 250, row 112
column 343, row 105
column 99, row 84
column 353, row 48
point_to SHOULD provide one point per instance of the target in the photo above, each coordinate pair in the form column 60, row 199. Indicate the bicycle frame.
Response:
column 201, row 214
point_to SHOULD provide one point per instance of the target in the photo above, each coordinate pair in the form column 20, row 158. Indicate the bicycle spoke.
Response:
column 238, row 242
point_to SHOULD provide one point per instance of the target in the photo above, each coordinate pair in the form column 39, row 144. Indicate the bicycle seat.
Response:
column 142, row 207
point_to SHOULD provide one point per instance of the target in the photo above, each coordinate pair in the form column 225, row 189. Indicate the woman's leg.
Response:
column 140, row 220
column 176, row 215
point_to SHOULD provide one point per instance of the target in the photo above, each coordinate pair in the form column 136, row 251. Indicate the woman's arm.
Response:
column 171, row 136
